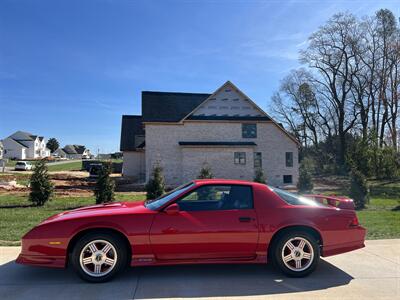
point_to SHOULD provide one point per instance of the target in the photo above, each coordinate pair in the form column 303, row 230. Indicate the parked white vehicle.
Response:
column 23, row 166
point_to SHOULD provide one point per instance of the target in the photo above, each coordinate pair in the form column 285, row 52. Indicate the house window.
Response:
column 240, row 158
column 289, row 159
column 287, row 179
column 249, row 130
column 257, row 159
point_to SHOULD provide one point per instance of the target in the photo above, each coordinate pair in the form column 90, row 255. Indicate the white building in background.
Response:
column 25, row 145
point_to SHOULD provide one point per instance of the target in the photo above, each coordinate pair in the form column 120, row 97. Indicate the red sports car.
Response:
column 204, row 221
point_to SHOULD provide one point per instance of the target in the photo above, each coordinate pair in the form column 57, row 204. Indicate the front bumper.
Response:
column 42, row 261
column 40, row 252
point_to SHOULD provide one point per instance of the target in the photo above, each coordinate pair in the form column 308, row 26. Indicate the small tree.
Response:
column 259, row 176
column 155, row 187
column 305, row 181
column 105, row 186
column 52, row 144
column 205, row 173
column 359, row 190
column 41, row 186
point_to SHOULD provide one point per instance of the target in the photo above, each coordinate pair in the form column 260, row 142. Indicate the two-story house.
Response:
column 25, row 145
column 226, row 131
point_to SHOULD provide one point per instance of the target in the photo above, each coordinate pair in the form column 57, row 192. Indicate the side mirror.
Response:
column 173, row 209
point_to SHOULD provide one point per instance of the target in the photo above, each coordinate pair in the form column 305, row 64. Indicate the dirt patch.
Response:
column 65, row 183
column 330, row 183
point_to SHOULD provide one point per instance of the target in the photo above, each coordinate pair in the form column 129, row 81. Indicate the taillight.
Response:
column 354, row 222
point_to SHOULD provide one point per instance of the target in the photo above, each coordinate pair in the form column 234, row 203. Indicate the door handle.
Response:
column 170, row 230
column 244, row 219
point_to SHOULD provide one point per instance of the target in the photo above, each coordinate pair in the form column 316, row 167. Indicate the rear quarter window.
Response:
column 294, row 199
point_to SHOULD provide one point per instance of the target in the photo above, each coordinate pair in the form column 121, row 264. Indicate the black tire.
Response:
column 120, row 249
column 278, row 259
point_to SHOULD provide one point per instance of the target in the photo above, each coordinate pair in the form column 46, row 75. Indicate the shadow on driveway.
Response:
column 194, row 281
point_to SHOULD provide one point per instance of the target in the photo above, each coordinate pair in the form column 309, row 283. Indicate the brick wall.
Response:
column 183, row 163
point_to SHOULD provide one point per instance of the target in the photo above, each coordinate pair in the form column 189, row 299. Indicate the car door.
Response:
column 213, row 222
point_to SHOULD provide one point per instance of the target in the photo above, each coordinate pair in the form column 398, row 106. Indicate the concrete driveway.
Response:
column 369, row 273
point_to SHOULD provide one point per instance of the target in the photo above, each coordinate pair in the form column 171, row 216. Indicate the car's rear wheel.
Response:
column 296, row 253
column 98, row 257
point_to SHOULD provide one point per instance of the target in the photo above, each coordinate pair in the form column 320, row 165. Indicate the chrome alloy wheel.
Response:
column 297, row 254
column 98, row 258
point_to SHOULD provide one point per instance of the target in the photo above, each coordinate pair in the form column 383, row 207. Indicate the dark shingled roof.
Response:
column 70, row 149
column 131, row 126
column 18, row 142
column 169, row 107
column 80, row 149
column 217, row 144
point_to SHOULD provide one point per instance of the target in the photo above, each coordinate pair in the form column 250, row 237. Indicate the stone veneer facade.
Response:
column 183, row 163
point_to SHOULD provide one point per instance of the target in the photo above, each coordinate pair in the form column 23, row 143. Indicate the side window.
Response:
column 257, row 159
column 289, row 159
column 217, row 197
column 249, row 130
column 240, row 158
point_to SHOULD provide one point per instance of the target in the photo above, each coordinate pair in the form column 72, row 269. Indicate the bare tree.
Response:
column 350, row 86
column 330, row 55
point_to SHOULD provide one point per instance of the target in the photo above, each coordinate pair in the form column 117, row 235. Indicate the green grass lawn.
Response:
column 17, row 216
column 11, row 163
column 68, row 166
column 381, row 217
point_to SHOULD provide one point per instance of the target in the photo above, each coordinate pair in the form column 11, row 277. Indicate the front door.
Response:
column 214, row 222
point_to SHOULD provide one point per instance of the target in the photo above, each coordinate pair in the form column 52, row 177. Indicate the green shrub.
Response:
column 361, row 155
column 305, row 181
column 41, row 186
column 104, row 190
column 155, row 187
column 359, row 190
column 259, row 176
column 205, row 173
column 389, row 164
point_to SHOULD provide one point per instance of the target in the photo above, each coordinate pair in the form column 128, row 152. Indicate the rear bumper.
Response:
column 42, row 261
column 356, row 242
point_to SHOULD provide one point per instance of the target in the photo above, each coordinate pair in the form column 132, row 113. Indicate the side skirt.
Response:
column 154, row 262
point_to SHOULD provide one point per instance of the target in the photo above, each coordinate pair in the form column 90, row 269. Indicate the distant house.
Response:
column 25, row 145
column 225, row 130
column 59, row 153
column 76, row 152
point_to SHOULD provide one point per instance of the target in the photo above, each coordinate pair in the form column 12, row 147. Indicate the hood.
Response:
column 100, row 210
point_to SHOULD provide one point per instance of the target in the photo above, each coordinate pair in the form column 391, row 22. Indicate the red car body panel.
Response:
column 216, row 236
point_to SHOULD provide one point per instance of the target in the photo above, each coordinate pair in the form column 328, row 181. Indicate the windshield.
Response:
column 294, row 199
column 20, row 164
column 160, row 201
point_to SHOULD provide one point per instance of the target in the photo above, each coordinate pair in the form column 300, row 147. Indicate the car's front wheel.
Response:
column 296, row 253
column 98, row 257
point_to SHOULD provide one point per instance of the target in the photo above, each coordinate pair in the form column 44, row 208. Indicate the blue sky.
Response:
column 70, row 69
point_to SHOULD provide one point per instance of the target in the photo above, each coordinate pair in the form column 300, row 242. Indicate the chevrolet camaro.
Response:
column 204, row 221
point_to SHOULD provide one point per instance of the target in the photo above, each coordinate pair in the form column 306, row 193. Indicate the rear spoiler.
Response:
column 335, row 201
